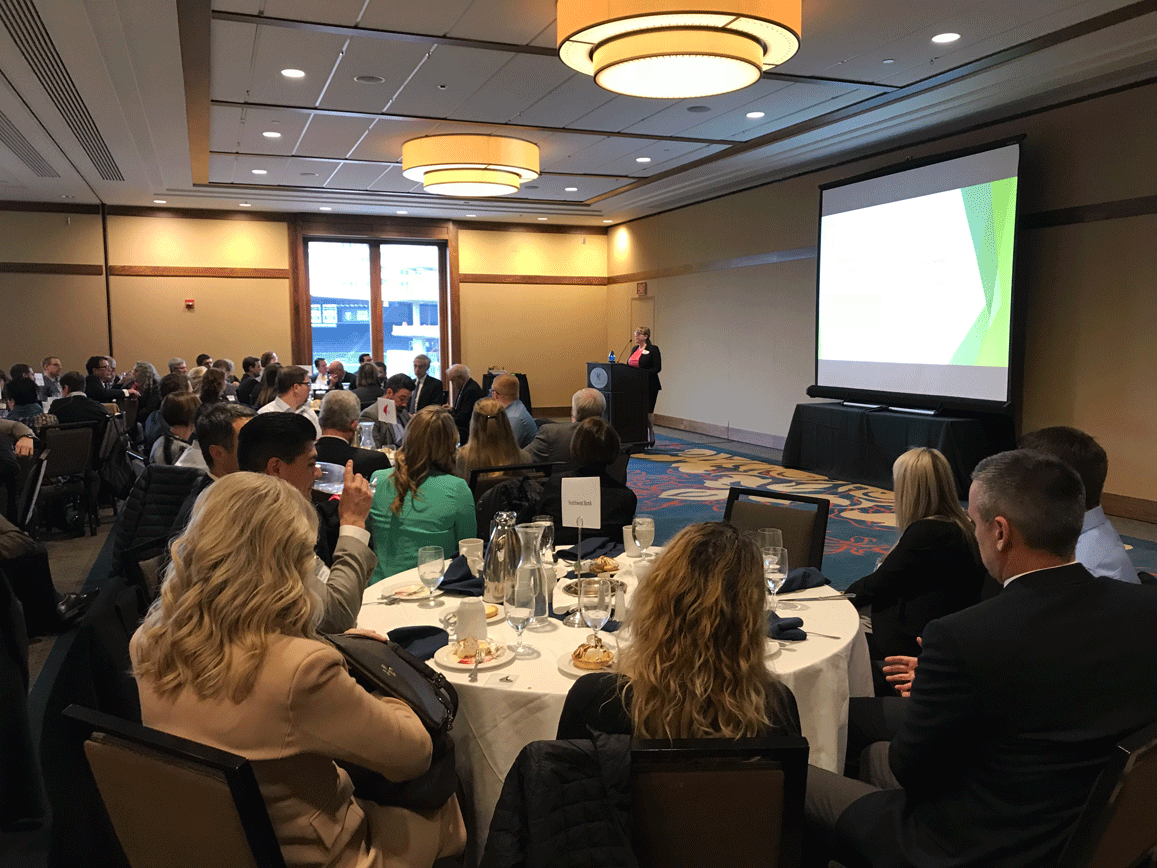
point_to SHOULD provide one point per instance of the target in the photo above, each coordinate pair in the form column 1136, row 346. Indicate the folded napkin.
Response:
column 459, row 581
column 595, row 547
column 804, row 577
column 787, row 629
column 421, row 641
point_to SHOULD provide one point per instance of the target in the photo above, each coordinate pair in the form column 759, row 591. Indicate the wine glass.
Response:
column 643, row 530
column 775, row 571
column 769, row 537
column 596, row 598
column 519, row 604
column 431, row 565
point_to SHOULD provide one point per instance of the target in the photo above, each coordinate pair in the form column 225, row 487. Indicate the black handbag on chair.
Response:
column 387, row 668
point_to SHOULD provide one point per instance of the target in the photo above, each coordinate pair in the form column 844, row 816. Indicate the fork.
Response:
column 473, row 676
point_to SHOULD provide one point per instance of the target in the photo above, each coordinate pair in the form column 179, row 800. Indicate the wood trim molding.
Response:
column 534, row 279
column 196, row 271
column 196, row 213
column 49, row 207
column 371, row 228
column 300, row 330
column 193, row 25
column 451, row 332
column 769, row 258
column 50, row 268
column 1141, row 206
column 1135, row 508
column 725, row 432
column 557, row 229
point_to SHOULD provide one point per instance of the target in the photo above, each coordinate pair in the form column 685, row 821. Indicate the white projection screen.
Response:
column 914, row 301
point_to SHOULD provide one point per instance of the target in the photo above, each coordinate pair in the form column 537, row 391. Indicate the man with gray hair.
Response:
column 1017, row 701
column 552, row 442
column 178, row 366
column 467, row 393
column 427, row 390
column 339, row 426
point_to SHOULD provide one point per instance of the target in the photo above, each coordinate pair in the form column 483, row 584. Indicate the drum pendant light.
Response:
column 470, row 165
column 675, row 49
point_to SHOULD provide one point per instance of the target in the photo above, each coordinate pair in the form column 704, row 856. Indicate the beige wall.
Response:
column 738, row 342
column 548, row 332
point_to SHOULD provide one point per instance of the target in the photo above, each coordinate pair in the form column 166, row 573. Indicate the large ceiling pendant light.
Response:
column 470, row 165
column 676, row 49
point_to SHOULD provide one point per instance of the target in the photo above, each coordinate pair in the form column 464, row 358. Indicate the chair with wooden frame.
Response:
column 802, row 519
column 480, row 484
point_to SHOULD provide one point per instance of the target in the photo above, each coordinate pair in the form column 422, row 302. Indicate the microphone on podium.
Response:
column 624, row 349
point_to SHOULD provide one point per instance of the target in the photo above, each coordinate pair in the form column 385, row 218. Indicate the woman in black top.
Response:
column 696, row 666
column 933, row 570
column 646, row 357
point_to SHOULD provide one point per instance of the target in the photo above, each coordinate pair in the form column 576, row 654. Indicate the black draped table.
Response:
column 857, row 444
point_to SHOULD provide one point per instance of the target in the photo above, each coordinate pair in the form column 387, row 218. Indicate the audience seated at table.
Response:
column 250, row 381
column 75, row 405
column 196, row 375
column 420, row 502
column 696, row 663
column 491, row 442
column 16, row 442
column 98, row 383
column 367, row 388
column 339, row 427
column 229, row 656
column 552, row 442
column 155, row 424
column 934, row 568
column 398, row 389
column 213, row 386
column 178, row 410
column 267, row 391
column 50, row 386
column 505, row 390
column 594, row 447
column 23, row 400
column 337, row 376
column 225, row 366
column 148, row 384
column 293, row 392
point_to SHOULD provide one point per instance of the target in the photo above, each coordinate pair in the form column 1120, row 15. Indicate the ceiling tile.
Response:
column 230, row 57
column 221, row 168
column 300, row 172
column 555, row 148
column 256, row 122
column 599, row 154
column 620, row 113
column 663, row 156
column 384, row 140
column 796, row 108
column 394, row 181
column 274, row 168
column 675, row 119
column 356, row 176
column 519, row 84
column 446, row 80
column 224, row 128
column 554, row 187
column 332, row 135
column 343, row 12
column 431, row 17
column 280, row 48
column 245, row 7
column 575, row 97
column 513, row 21
column 393, row 61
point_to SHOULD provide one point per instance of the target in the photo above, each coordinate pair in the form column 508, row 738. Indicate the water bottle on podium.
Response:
column 611, row 357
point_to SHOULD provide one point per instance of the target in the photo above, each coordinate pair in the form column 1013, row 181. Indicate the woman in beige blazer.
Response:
column 228, row 656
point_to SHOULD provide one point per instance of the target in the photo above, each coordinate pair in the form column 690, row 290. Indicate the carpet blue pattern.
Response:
column 680, row 483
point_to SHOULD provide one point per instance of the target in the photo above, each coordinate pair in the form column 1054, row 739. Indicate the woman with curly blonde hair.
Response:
column 695, row 666
column 228, row 656
column 420, row 502
column 491, row 442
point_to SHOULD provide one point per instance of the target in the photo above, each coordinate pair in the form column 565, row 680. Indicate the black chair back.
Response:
column 727, row 804
column 174, row 802
column 26, row 508
column 1116, row 829
column 479, row 486
column 803, row 520
column 70, row 448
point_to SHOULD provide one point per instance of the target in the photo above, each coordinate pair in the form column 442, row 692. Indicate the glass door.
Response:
column 411, row 289
column 340, row 301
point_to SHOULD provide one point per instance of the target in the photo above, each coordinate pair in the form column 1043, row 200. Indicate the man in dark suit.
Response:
column 100, row 372
column 467, row 394
column 339, row 426
column 75, row 405
column 552, row 442
column 250, row 383
column 1017, row 702
column 427, row 390
column 338, row 378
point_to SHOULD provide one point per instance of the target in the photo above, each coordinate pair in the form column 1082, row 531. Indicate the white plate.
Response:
column 773, row 647
column 420, row 592
column 445, row 657
column 566, row 667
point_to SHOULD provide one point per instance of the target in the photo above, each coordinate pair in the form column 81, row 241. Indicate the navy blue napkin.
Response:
column 595, row 547
column 421, row 641
column 804, row 577
column 459, row 581
column 787, row 629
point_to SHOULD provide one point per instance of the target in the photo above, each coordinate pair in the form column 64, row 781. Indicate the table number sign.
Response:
column 581, row 502
column 387, row 411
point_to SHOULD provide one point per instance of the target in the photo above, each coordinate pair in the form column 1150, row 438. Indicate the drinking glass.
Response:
column 519, row 604
column 431, row 565
column 770, row 537
column 775, row 571
column 596, row 599
column 643, row 529
column 547, row 546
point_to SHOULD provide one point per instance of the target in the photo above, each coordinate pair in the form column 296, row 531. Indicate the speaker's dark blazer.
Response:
column 470, row 394
column 652, row 362
column 931, row 572
column 433, row 392
column 1016, row 705
column 335, row 450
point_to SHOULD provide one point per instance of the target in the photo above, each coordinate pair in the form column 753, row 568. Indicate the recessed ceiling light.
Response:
column 755, row 115
column 471, row 215
column 66, row 196
column 541, row 218
column 608, row 221
column 244, row 204
column 159, row 201
column 271, row 134
column 888, row 60
column 570, row 189
column 945, row 38
column 401, row 212
column 368, row 79
column 698, row 109
column 293, row 73
column 259, row 172
column 642, row 159
column 325, row 208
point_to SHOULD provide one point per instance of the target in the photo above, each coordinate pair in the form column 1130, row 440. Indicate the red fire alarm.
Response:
column 641, row 288
column 188, row 304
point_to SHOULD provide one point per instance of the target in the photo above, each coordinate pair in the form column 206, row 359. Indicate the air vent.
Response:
column 31, row 37
column 23, row 149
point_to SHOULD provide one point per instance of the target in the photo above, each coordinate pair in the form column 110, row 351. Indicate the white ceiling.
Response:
column 107, row 97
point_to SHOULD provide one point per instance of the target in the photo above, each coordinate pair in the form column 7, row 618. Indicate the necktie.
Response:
column 414, row 397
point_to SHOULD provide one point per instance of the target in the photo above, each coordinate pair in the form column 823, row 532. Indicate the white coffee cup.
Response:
column 642, row 568
column 471, row 619
column 629, row 548
column 472, row 549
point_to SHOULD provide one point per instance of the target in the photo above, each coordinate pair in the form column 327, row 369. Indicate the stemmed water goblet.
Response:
column 519, row 604
column 431, row 566
column 775, row 571
column 596, row 599
column 643, row 530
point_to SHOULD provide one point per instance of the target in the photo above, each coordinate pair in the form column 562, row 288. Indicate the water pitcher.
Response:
column 530, row 565
column 502, row 555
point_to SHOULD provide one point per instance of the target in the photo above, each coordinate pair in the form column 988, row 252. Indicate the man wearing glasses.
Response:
column 100, row 372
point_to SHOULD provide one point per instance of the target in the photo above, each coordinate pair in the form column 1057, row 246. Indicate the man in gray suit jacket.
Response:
column 552, row 443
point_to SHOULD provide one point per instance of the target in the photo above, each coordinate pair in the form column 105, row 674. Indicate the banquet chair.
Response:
column 26, row 507
column 1116, row 827
column 728, row 804
column 69, row 468
column 479, row 486
column 174, row 802
column 803, row 520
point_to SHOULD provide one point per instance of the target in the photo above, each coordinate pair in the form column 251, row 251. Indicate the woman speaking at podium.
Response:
column 647, row 357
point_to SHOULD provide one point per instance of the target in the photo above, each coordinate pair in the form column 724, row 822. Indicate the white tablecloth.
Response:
column 497, row 719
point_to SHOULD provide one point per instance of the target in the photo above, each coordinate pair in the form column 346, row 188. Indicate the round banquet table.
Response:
column 497, row 718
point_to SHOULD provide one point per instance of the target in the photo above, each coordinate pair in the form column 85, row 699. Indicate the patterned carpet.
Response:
column 680, row 483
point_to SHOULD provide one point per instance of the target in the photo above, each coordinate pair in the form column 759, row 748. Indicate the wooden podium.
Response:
column 625, row 389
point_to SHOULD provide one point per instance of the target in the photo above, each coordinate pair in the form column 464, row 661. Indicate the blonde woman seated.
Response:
column 491, row 442
column 933, row 570
column 695, row 666
column 420, row 502
column 228, row 656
